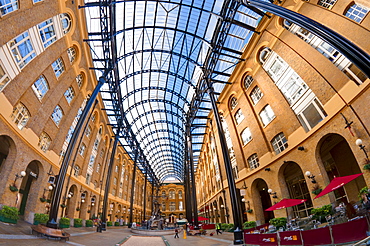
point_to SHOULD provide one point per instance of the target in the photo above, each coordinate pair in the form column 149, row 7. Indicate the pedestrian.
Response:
column 218, row 229
column 176, row 233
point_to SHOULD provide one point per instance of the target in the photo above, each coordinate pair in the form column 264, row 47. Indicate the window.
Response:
column 82, row 149
column 88, row 131
column 357, row 12
column 57, row 115
column 101, row 153
column 171, row 194
column 4, row 78
column 253, row 161
column 327, row 3
column 248, row 81
column 96, row 144
column 8, row 6
column 69, row 94
column 180, row 195
column 115, row 181
column 36, row 1
column 58, row 67
column 256, row 95
column 98, row 168
column 181, row 206
column 40, row 87
column 279, row 143
column 47, row 32
column 292, row 86
column 44, row 141
column 79, row 80
column 71, row 54
column 76, row 171
column 163, row 194
column 163, row 207
column 233, row 103
column 311, row 115
column 22, row 49
column 267, row 115
column 95, row 184
column 246, row 135
column 20, row 115
column 239, row 117
column 116, row 169
column 172, row 206
column 65, row 19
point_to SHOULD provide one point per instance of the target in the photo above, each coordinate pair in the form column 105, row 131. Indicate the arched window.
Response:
column 69, row 94
column 40, row 87
column 65, row 19
column 233, row 103
column 57, row 115
column 356, row 12
column 239, row 116
column 80, row 80
column 246, row 135
column 171, row 194
column 72, row 54
column 267, row 115
column 256, row 95
column 58, row 67
column 248, row 81
column 20, row 115
column 180, row 194
column 279, row 143
column 264, row 54
column 253, row 161
column 44, row 141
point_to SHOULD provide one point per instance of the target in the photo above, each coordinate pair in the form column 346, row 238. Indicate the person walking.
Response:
column 176, row 233
column 218, row 228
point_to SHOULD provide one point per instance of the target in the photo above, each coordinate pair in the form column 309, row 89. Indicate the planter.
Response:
column 367, row 167
column 63, row 226
column 316, row 192
column 13, row 188
column 42, row 199
column 6, row 220
column 77, row 226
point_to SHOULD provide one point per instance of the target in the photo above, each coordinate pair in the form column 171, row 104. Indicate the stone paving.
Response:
column 20, row 235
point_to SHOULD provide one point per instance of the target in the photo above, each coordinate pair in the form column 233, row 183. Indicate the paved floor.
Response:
column 20, row 235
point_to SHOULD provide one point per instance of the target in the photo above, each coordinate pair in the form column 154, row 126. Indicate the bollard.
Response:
column 184, row 234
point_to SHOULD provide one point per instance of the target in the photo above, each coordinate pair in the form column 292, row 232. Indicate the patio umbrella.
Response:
column 286, row 203
column 201, row 218
column 337, row 183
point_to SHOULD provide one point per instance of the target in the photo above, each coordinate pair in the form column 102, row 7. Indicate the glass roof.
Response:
column 163, row 49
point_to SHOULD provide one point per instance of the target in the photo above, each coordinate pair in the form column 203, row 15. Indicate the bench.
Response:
column 50, row 232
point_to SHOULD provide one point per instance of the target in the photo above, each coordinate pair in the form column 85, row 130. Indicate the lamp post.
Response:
column 273, row 194
column 311, row 176
column 362, row 147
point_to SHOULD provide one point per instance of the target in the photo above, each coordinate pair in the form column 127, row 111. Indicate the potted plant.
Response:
column 40, row 218
column 249, row 224
column 77, row 222
column 78, row 209
column 42, row 199
column 13, row 188
column 116, row 223
column 278, row 222
column 316, row 190
column 63, row 205
column 89, row 223
column 109, row 223
column 321, row 212
column 367, row 166
column 9, row 214
column 64, row 222
column 249, row 211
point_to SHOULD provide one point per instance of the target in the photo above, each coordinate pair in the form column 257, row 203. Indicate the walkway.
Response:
column 20, row 235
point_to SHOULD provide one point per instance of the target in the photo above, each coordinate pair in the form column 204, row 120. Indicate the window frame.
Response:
column 22, row 49
column 58, row 67
column 47, row 32
column 44, row 141
column 253, row 161
column 256, row 95
column 40, row 87
column 57, row 115
column 69, row 94
column 20, row 110
column 278, row 144
column 266, row 113
column 246, row 133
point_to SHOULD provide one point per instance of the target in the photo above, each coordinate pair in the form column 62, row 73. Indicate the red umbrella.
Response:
column 337, row 183
column 201, row 218
column 285, row 203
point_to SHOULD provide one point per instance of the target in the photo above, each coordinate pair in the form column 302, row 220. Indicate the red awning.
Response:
column 286, row 203
column 337, row 183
